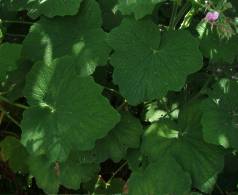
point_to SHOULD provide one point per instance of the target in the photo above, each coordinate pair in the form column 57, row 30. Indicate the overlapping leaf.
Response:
column 163, row 177
column 9, row 55
column 49, row 176
column 220, row 114
column 49, row 8
column 148, row 63
column 67, row 111
column 219, row 50
column 125, row 135
column 139, row 8
column 14, row 153
column 184, row 144
column 80, row 36
column 111, row 18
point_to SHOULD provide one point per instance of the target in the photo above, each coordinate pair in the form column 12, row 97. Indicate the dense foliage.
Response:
column 119, row 96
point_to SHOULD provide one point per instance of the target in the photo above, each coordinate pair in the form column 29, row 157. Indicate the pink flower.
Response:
column 212, row 16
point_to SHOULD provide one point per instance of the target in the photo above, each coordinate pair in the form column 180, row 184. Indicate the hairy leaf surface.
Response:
column 149, row 63
column 57, row 37
column 220, row 114
column 67, row 111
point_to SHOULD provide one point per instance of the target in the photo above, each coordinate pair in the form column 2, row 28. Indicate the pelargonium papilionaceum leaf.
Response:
column 126, row 134
column 139, row 8
column 148, row 63
column 80, row 36
column 49, row 8
column 219, row 50
column 10, row 53
column 220, row 114
column 163, row 177
column 14, row 153
column 200, row 160
column 182, row 142
column 71, row 173
column 66, row 111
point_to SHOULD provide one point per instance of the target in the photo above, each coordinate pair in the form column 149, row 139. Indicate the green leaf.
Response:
column 219, row 50
column 67, row 111
column 184, row 143
column 111, row 18
column 69, row 174
column 125, row 135
column 134, row 158
column 148, row 63
column 102, row 187
column 115, row 187
column 15, row 81
column 49, row 8
column 220, row 114
column 10, row 53
column 14, row 5
column 163, row 177
column 139, row 8
column 13, row 151
column 80, row 36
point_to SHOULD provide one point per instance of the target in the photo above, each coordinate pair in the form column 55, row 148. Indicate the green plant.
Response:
column 121, row 95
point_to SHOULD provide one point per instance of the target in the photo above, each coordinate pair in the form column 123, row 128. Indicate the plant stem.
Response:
column 169, row 112
column 116, row 172
column 219, row 189
column 96, row 186
column 17, row 22
column 15, row 35
column 13, row 104
column 10, row 117
column 202, row 89
column 187, row 19
column 173, row 15
column 181, row 13
column 112, row 90
column 8, row 133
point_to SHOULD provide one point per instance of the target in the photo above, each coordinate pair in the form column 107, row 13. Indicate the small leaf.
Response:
column 49, row 175
column 125, row 135
column 13, row 152
column 10, row 53
column 219, row 50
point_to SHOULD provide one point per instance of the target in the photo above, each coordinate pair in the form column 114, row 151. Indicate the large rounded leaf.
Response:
column 202, row 161
column 80, row 36
column 49, row 8
column 163, row 177
column 220, row 114
column 148, row 63
column 67, row 111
